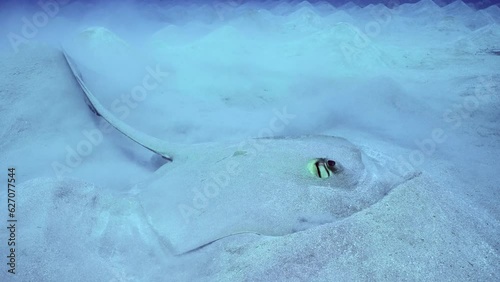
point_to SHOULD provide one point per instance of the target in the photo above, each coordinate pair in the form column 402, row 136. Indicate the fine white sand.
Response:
column 414, row 88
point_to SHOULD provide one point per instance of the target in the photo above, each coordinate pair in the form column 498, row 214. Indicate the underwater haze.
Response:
column 250, row 140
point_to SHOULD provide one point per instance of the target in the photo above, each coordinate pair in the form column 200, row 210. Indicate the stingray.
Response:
column 267, row 186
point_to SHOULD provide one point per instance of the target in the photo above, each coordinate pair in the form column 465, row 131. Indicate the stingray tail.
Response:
column 151, row 143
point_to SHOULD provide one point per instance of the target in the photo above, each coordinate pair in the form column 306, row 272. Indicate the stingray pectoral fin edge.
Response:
column 151, row 143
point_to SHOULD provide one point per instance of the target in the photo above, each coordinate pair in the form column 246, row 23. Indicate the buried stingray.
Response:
column 265, row 186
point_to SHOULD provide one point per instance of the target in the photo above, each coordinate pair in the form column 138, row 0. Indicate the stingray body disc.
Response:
column 262, row 189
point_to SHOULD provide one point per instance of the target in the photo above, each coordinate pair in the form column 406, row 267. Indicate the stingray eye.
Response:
column 319, row 168
column 330, row 164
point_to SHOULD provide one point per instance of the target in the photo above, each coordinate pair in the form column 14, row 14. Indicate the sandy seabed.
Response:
column 420, row 92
